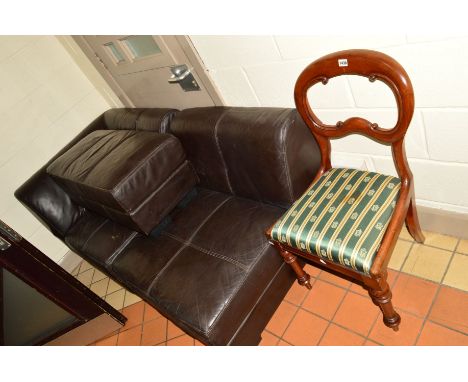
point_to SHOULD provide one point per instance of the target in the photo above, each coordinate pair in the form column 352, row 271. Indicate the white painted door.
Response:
column 138, row 68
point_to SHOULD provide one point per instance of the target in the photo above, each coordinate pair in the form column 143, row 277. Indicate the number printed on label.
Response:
column 343, row 62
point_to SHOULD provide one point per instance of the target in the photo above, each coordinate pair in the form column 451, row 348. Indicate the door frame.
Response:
column 184, row 53
column 95, row 317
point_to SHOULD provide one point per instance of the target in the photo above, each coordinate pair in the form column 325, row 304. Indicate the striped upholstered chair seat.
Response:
column 342, row 217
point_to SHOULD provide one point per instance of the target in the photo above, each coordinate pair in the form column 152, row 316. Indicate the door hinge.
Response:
column 100, row 61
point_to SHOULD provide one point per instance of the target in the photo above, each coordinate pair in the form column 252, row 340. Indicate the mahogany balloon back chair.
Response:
column 349, row 220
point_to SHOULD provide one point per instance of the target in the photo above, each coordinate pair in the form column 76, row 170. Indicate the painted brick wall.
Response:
column 261, row 71
column 45, row 100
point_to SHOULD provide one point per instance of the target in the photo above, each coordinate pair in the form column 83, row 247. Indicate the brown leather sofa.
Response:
column 202, row 259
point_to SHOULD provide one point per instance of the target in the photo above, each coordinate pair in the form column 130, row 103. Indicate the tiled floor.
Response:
column 430, row 291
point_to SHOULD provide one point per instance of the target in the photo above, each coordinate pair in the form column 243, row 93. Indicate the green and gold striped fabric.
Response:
column 342, row 217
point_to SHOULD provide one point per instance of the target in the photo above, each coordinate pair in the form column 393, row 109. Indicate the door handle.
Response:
column 179, row 73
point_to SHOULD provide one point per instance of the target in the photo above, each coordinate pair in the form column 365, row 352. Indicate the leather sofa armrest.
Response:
column 49, row 203
column 46, row 200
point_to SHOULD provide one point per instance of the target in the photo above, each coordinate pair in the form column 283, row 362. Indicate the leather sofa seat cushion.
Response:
column 98, row 239
column 342, row 217
column 207, row 269
column 134, row 177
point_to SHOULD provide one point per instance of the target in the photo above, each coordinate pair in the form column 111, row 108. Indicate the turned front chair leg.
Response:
column 412, row 221
column 303, row 278
column 380, row 293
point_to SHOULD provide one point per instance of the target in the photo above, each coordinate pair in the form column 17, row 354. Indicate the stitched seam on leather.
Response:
column 83, row 247
column 113, row 149
column 142, row 204
column 256, row 302
column 208, row 252
column 285, row 156
column 119, row 250
column 141, row 164
column 137, row 118
column 196, row 246
column 91, row 169
column 218, row 146
column 158, row 276
column 79, row 154
column 218, row 317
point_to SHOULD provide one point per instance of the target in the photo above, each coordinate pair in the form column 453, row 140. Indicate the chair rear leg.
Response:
column 412, row 221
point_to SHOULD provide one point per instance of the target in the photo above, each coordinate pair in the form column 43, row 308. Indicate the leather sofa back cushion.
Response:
column 156, row 120
column 133, row 177
column 265, row 154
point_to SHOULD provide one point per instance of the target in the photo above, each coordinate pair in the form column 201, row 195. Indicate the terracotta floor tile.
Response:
column 392, row 276
column 427, row 262
column 184, row 340
column 399, row 254
column 440, row 241
column 305, row 329
column 406, row 335
column 198, row 343
column 462, row 247
column 312, row 270
column 297, row 293
column 451, row 309
column 331, row 278
column 370, row 343
column 109, row 341
column 134, row 314
column 154, row 332
column 357, row 313
column 324, row 299
column 173, row 330
column 151, row 313
column 414, row 294
column 337, row 336
column 436, row 335
column 359, row 289
column 130, row 337
column 268, row 339
column 457, row 274
column 283, row 343
column 281, row 318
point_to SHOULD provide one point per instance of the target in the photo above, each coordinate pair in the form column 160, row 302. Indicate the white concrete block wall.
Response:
column 262, row 70
column 45, row 100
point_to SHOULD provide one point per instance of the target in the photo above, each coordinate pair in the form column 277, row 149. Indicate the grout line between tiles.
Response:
column 447, row 327
column 426, row 317
column 428, row 245
column 407, row 256
column 279, row 338
column 333, row 316
column 448, row 264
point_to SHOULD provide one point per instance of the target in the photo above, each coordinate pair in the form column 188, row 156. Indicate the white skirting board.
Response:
column 70, row 261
